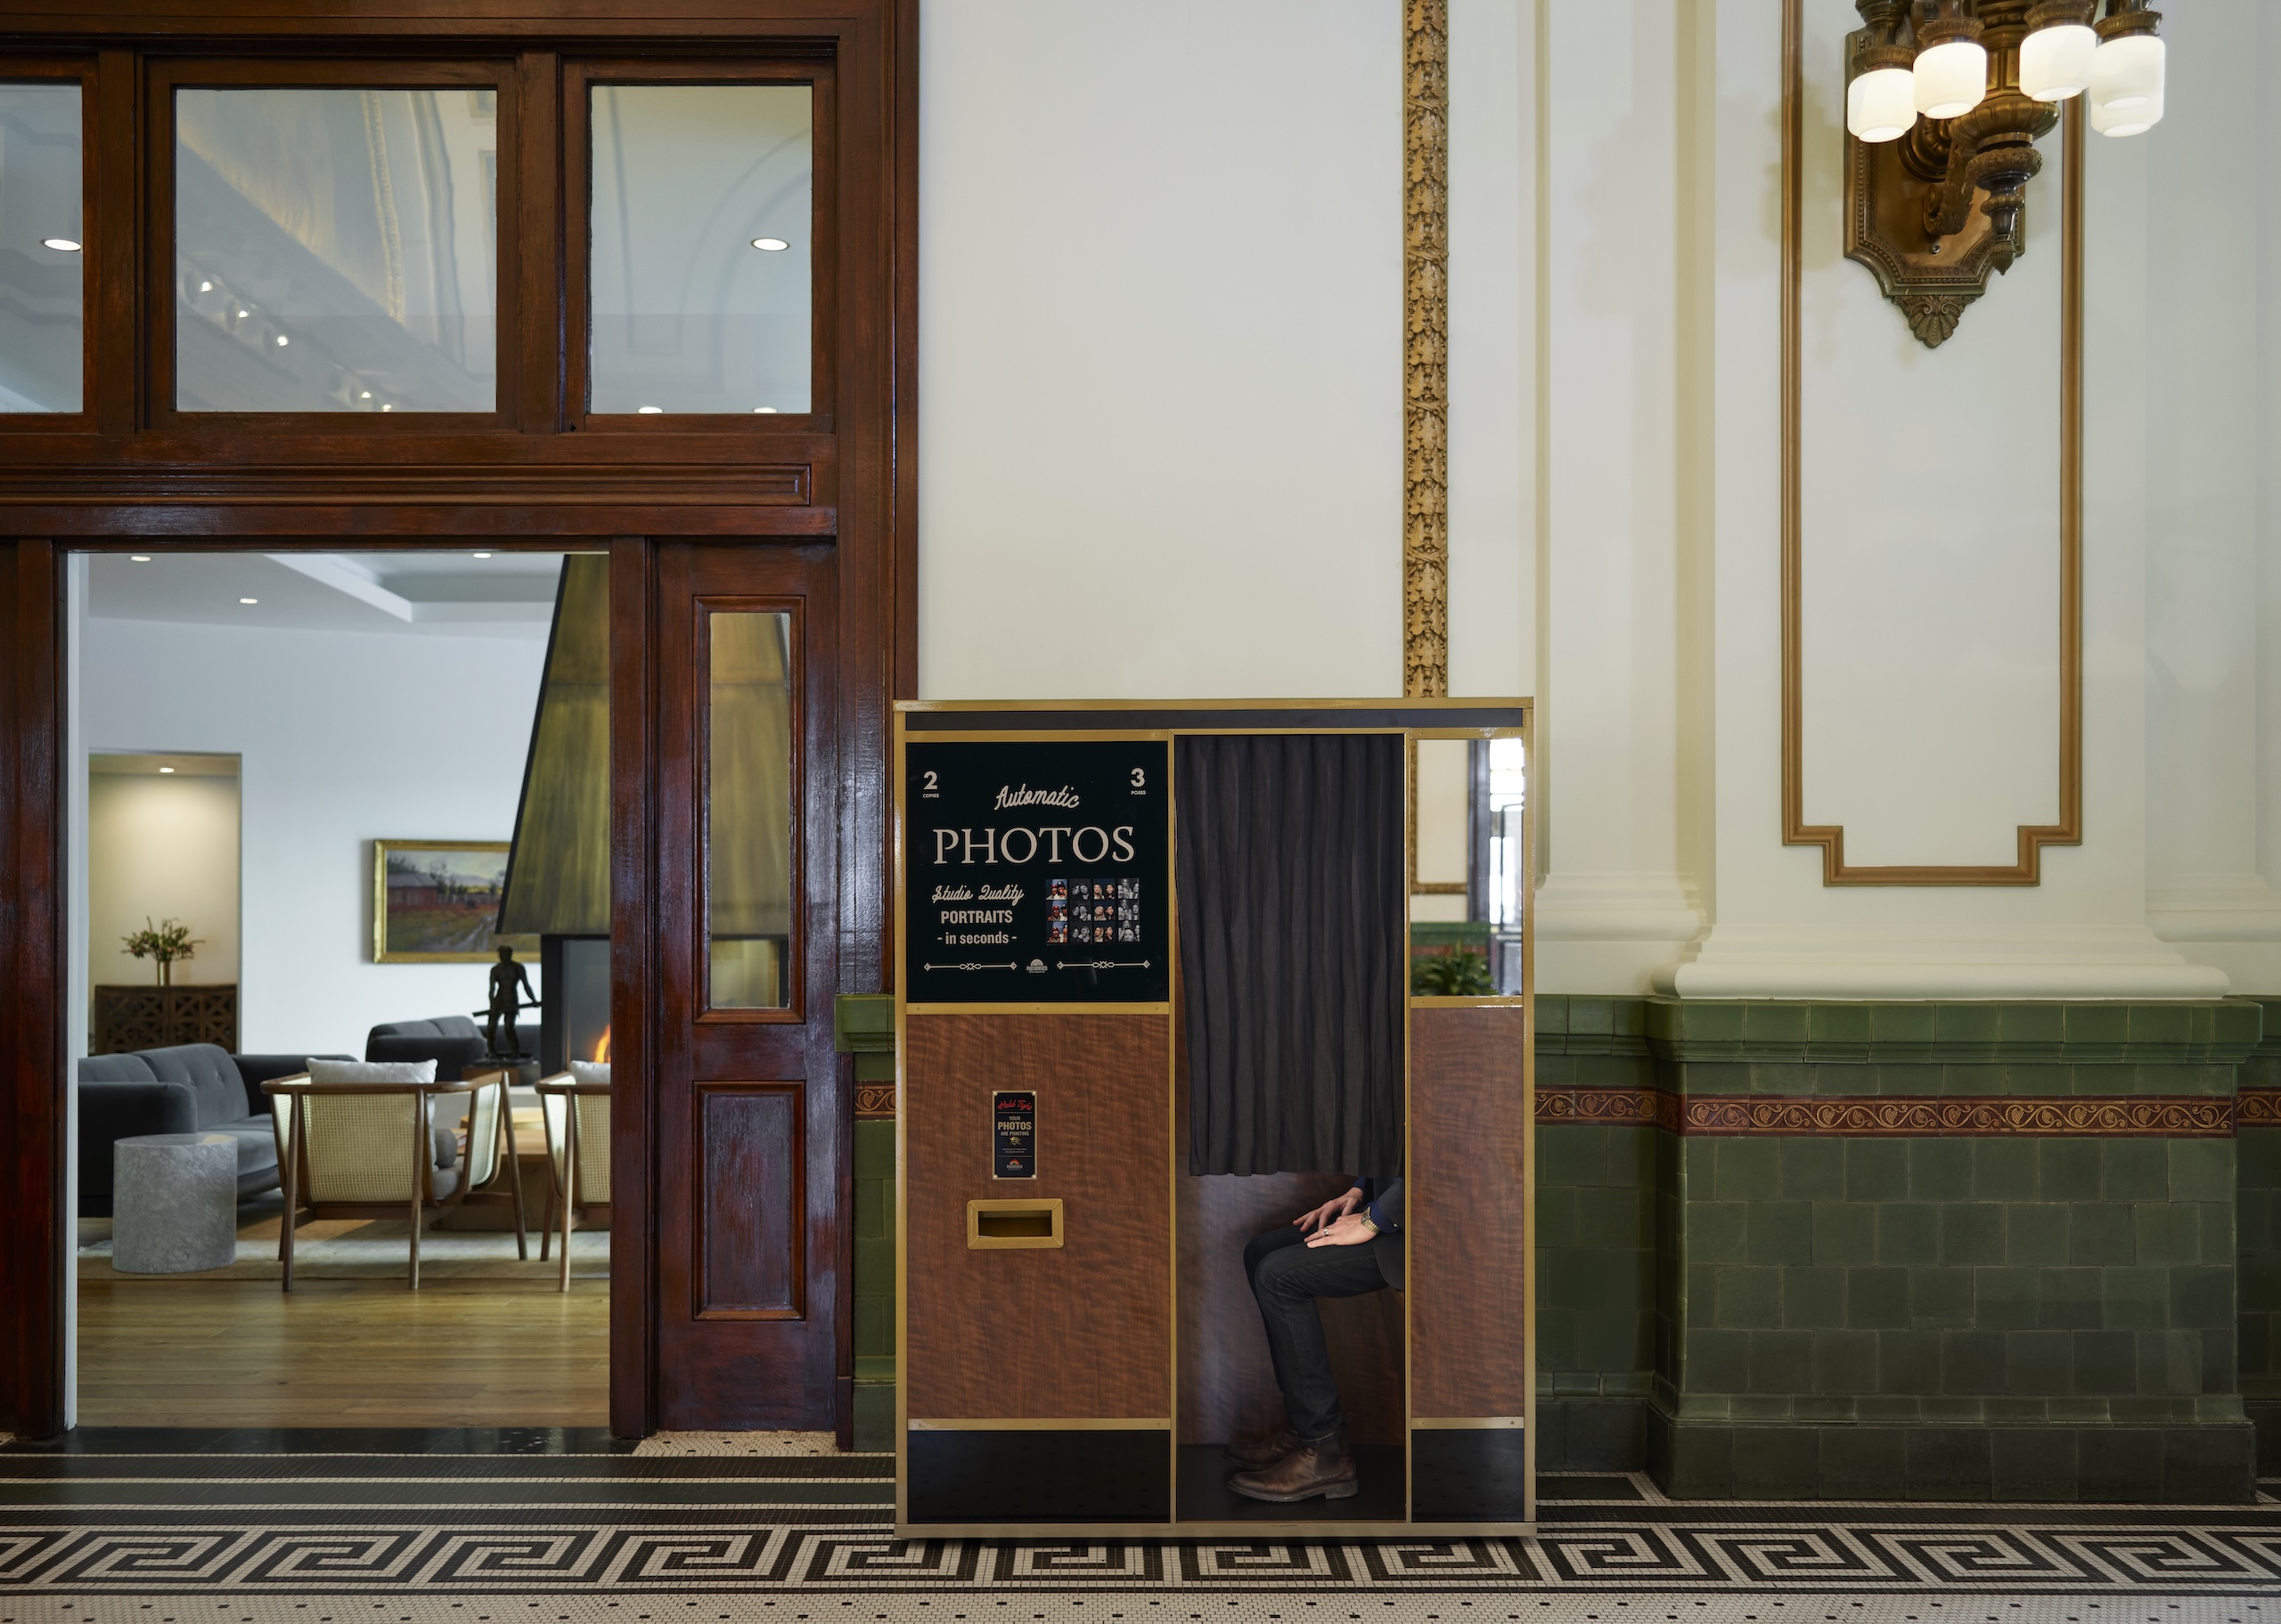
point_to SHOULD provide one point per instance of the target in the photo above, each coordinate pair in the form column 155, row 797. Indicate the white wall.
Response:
column 343, row 738
column 159, row 848
column 1160, row 305
column 1160, row 349
column 2211, row 239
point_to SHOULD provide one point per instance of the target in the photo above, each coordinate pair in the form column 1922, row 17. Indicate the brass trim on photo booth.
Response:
column 1040, row 1424
column 1423, row 887
column 2027, row 870
column 906, row 1424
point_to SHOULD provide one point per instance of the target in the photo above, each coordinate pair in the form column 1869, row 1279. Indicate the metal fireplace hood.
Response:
column 558, row 871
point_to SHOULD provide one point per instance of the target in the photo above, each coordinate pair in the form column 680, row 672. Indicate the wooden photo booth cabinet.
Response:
column 1154, row 999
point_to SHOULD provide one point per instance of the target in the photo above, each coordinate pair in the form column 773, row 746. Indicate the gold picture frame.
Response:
column 452, row 919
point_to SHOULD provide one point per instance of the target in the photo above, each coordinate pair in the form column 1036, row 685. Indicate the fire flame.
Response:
column 602, row 1048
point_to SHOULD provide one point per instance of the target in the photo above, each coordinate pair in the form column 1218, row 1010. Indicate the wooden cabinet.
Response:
column 132, row 1017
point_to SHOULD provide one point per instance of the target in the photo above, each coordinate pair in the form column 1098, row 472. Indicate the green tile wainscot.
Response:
column 1928, row 1250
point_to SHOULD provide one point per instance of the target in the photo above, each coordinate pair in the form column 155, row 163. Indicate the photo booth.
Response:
column 1153, row 999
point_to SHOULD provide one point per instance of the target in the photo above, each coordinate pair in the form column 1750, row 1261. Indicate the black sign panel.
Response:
column 1013, row 1134
column 1037, row 872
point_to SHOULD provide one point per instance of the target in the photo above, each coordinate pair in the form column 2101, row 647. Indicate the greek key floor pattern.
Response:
column 241, row 1536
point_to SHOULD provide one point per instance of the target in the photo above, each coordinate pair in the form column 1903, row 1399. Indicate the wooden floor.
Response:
column 157, row 1352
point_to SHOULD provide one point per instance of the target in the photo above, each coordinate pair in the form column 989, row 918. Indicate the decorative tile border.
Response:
column 1901, row 1116
column 1857, row 1551
column 2188, row 1116
column 2258, row 1108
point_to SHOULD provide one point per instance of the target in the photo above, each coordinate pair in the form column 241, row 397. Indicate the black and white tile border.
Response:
column 778, row 1556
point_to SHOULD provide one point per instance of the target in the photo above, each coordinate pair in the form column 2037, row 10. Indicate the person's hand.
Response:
column 1351, row 1230
column 1337, row 1207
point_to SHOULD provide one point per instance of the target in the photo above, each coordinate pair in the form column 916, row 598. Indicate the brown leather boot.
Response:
column 1325, row 1469
column 1263, row 1450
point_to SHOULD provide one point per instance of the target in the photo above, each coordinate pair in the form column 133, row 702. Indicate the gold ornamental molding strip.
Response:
column 1426, row 350
column 2199, row 1116
column 2027, row 870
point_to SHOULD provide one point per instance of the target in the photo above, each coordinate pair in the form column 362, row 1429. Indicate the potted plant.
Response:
column 165, row 942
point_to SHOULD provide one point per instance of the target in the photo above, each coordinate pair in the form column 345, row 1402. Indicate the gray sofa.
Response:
column 191, row 1088
column 453, row 1041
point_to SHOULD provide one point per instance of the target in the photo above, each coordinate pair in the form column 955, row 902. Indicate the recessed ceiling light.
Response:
column 61, row 245
column 387, row 405
column 648, row 410
column 366, row 395
column 771, row 244
column 763, row 408
column 206, row 287
column 482, row 555
column 140, row 557
column 282, row 341
column 243, row 314
column 166, row 768
column 249, row 600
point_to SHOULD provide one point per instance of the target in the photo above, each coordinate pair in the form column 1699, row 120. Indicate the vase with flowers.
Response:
column 165, row 942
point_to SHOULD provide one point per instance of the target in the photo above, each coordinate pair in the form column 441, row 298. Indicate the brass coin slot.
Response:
column 1013, row 1223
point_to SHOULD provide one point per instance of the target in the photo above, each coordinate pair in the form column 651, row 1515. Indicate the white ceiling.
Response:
column 404, row 593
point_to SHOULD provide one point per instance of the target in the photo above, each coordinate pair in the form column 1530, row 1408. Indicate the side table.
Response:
column 176, row 1207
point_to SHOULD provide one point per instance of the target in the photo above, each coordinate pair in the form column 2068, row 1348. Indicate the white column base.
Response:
column 1762, row 961
column 1609, row 933
column 2231, row 922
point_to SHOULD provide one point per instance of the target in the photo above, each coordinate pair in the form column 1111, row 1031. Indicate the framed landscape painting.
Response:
column 436, row 901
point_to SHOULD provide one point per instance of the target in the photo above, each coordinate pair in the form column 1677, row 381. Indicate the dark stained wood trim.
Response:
column 633, row 1003
column 114, row 478
column 115, row 382
column 32, row 971
column 538, row 204
column 903, row 683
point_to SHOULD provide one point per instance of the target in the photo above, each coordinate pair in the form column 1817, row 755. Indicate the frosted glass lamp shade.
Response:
column 2112, row 120
column 2056, row 62
column 1881, row 105
column 1950, row 77
column 2127, row 77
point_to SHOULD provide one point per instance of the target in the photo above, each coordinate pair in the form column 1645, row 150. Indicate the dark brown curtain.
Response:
column 1291, row 951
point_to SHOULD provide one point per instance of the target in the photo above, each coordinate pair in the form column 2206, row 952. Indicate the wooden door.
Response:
column 749, row 1121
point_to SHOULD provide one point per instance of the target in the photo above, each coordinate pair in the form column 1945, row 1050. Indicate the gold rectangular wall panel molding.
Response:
column 2028, row 870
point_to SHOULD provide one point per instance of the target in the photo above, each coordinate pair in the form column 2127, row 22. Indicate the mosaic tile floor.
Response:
column 557, row 1527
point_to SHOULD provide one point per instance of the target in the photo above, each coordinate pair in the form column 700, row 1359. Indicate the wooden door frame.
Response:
column 114, row 476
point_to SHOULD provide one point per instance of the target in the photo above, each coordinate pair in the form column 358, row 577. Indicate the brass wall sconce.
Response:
column 1944, row 102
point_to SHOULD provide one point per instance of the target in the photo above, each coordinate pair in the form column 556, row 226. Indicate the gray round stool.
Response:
column 174, row 1202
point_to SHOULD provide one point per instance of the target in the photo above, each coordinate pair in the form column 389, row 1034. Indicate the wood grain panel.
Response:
column 32, row 970
column 751, row 1146
column 1080, row 1330
column 1468, row 1210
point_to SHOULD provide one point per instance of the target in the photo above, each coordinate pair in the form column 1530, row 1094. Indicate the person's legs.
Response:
column 1286, row 1277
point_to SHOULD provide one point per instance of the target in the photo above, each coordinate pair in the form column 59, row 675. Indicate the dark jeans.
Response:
column 1287, row 1276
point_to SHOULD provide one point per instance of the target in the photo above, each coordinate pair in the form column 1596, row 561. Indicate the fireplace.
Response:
column 574, row 1019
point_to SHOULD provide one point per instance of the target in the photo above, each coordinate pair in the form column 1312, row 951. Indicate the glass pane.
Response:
column 41, row 282
column 1508, row 796
column 700, row 226
column 336, row 251
column 749, row 811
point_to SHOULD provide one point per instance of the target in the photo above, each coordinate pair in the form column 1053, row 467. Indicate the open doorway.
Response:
column 319, row 792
